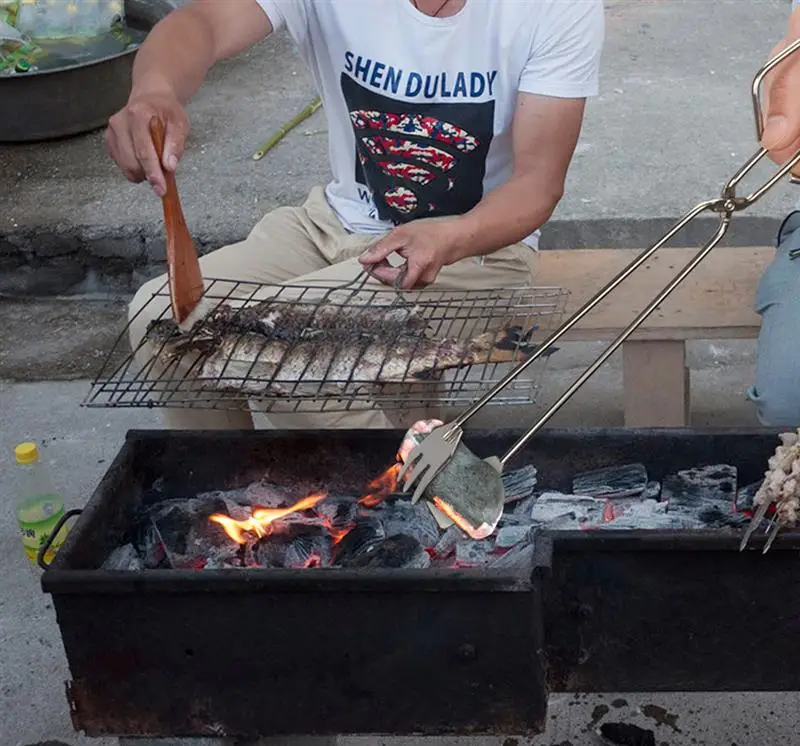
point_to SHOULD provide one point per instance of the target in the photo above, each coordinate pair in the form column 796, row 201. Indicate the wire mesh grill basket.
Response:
column 327, row 348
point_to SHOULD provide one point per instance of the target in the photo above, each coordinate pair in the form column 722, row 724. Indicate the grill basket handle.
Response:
column 50, row 539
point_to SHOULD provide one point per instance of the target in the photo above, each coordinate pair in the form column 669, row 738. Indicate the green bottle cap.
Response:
column 23, row 66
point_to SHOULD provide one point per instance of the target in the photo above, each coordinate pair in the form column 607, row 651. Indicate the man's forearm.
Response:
column 507, row 215
column 176, row 56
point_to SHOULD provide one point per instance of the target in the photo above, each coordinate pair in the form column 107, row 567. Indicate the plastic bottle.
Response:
column 39, row 507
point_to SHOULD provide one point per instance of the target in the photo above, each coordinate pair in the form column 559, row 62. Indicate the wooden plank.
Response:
column 656, row 384
column 714, row 302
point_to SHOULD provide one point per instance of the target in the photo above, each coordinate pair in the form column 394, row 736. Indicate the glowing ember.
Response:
column 259, row 522
column 476, row 532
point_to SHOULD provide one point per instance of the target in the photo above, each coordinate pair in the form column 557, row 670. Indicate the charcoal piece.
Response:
column 338, row 512
column 181, row 534
column 447, row 542
column 523, row 510
column 123, row 558
column 647, row 514
column 366, row 532
column 520, row 556
column 652, row 491
column 405, row 517
column 510, row 536
column 519, row 484
column 292, row 546
column 309, row 549
column 557, row 510
column 400, row 551
column 746, row 495
column 699, row 488
column 173, row 519
column 471, row 553
column 715, row 517
column 627, row 734
column 611, row 482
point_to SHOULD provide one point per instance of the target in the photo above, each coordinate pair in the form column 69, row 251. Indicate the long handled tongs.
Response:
column 428, row 458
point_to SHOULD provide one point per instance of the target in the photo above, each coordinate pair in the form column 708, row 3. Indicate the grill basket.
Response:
column 329, row 348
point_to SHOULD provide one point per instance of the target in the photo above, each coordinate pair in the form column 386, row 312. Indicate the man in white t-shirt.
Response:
column 452, row 124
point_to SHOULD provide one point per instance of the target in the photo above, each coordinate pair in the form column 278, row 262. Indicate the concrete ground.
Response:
column 673, row 122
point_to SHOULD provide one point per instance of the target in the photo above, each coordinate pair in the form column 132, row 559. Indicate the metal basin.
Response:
column 75, row 99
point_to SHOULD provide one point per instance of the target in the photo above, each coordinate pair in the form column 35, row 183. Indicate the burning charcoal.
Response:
column 366, row 532
column 612, row 482
column 173, row 519
column 519, row 484
column 745, row 496
column 405, row 517
column 470, row 553
column 309, row 549
column 520, row 556
column 510, row 536
column 339, row 513
column 627, row 734
column 179, row 533
column 123, row 558
column 293, row 546
column 701, row 488
column 400, row 551
column 648, row 514
column 557, row 510
column 652, row 491
column 447, row 542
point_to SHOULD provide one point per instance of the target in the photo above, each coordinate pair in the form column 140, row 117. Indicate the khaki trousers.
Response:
column 307, row 244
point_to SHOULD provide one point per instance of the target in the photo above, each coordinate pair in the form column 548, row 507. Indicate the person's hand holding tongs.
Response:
column 781, row 136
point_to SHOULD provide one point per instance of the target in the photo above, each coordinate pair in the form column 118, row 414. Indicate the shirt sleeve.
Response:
column 286, row 14
column 565, row 51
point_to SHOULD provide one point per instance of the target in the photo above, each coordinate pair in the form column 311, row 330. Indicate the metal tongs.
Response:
column 425, row 462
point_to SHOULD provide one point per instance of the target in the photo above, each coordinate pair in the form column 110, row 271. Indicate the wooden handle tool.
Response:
column 185, row 279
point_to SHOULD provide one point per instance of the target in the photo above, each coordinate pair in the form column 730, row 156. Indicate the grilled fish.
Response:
column 306, row 349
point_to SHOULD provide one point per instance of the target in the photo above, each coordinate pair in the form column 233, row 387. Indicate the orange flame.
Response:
column 381, row 487
column 337, row 534
column 259, row 522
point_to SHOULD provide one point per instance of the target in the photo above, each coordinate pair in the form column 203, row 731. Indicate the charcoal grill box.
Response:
column 472, row 651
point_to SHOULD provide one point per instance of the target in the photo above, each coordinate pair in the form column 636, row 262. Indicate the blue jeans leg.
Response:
column 776, row 390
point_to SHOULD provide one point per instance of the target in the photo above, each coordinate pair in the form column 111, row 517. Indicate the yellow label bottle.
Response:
column 39, row 507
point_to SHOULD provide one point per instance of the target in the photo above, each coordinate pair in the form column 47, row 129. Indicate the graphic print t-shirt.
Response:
column 420, row 108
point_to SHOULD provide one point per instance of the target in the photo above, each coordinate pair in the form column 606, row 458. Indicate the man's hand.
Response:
column 427, row 245
column 168, row 70
column 130, row 145
column 544, row 134
column 782, row 100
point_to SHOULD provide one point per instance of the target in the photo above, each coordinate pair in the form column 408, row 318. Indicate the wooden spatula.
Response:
column 185, row 279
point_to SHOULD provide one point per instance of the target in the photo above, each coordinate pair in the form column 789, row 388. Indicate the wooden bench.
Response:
column 714, row 302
